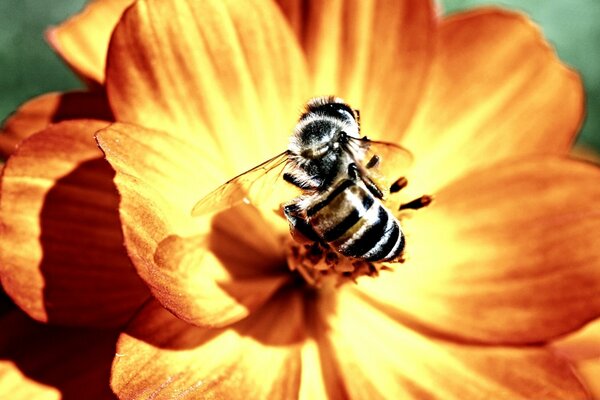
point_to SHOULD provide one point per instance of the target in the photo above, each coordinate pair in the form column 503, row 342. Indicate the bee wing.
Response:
column 261, row 185
column 381, row 163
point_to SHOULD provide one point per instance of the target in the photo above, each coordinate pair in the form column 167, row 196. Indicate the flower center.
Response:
column 321, row 266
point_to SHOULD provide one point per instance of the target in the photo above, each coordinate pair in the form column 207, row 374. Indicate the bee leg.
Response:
column 301, row 230
column 373, row 162
column 398, row 185
column 354, row 174
column 417, row 203
column 353, row 171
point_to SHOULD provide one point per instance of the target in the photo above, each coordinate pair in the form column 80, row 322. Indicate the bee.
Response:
column 341, row 179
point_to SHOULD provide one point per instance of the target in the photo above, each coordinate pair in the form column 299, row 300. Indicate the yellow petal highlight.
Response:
column 166, row 176
column 496, row 91
column 381, row 359
column 161, row 357
column 374, row 54
column 505, row 255
column 82, row 41
column 228, row 73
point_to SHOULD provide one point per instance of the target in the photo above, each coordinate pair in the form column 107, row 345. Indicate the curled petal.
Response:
column 505, row 255
column 378, row 358
column 82, row 41
column 203, row 288
column 38, row 113
column 496, row 90
column 162, row 357
column 62, row 257
column 226, row 73
column 42, row 362
column 206, row 272
column 374, row 54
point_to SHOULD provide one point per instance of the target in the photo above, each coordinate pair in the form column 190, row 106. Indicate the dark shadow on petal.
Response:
column 75, row 361
column 6, row 303
column 36, row 114
column 245, row 243
column 89, row 280
column 80, row 105
column 280, row 322
column 157, row 326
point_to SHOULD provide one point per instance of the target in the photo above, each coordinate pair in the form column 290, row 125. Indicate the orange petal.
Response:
column 381, row 359
column 582, row 348
column 226, row 73
column 42, row 362
column 508, row 254
column 162, row 357
column 82, row 41
column 206, row 274
column 374, row 54
column 496, row 90
column 41, row 111
column 61, row 250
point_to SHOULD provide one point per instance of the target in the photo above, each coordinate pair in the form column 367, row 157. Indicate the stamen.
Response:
column 321, row 266
column 420, row 202
column 398, row 185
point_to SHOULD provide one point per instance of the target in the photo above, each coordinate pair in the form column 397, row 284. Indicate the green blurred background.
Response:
column 28, row 67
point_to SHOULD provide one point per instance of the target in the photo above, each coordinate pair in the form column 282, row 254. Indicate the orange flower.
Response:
column 502, row 263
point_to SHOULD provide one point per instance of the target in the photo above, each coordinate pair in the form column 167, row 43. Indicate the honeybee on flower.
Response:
column 201, row 90
column 341, row 210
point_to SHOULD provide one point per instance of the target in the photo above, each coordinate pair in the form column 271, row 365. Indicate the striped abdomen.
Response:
column 355, row 223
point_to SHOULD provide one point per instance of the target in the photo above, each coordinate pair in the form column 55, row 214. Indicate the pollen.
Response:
column 321, row 266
